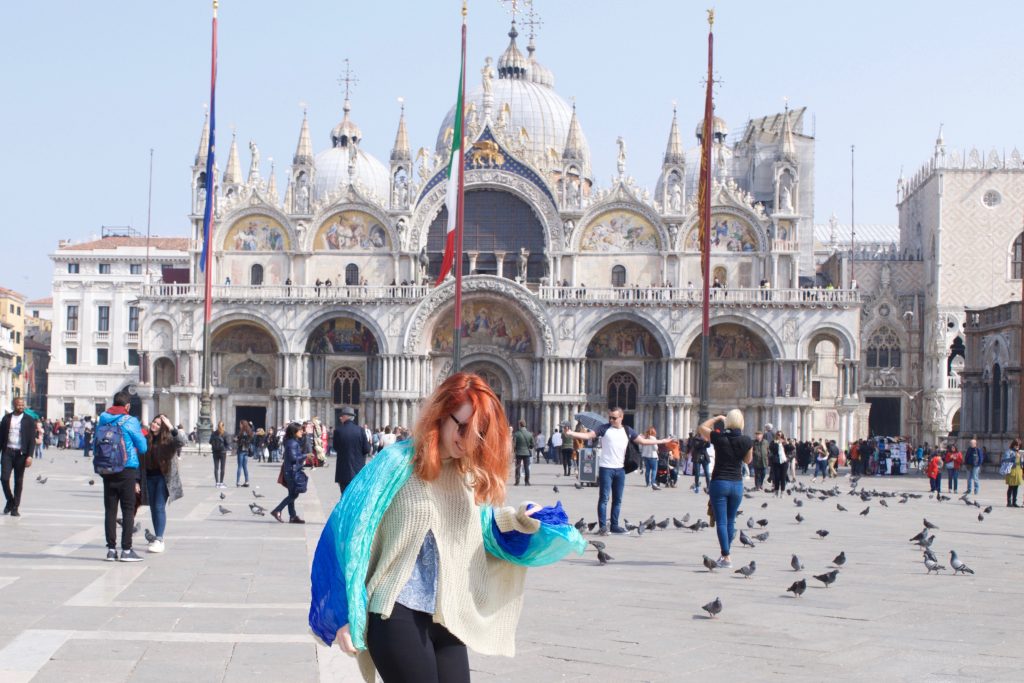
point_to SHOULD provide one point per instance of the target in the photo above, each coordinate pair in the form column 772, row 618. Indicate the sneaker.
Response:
column 156, row 546
column 724, row 563
column 604, row 531
column 296, row 520
column 618, row 530
column 15, row 513
column 111, row 555
column 655, row 487
column 8, row 508
column 245, row 485
column 130, row 556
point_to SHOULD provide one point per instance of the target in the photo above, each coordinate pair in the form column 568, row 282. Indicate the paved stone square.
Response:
column 228, row 600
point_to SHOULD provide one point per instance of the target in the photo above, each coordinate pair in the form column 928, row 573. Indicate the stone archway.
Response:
column 740, row 367
column 244, row 363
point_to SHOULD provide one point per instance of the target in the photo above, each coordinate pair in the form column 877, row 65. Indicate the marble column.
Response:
column 499, row 257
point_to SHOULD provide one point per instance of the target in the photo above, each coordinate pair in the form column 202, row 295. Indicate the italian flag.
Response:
column 455, row 175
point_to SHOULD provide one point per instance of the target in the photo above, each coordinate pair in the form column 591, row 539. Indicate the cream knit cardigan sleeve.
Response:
column 479, row 597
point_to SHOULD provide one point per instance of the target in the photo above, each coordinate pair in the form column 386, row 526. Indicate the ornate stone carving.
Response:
column 442, row 295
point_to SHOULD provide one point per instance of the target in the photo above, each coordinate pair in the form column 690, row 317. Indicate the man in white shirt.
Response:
column 611, row 465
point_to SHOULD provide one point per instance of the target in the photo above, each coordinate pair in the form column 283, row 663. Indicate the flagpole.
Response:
column 459, row 208
column 704, row 200
column 205, row 425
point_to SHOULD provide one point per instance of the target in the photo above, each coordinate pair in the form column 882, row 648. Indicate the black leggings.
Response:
column 218, row 466
column 1011, row 495
column 409, row 646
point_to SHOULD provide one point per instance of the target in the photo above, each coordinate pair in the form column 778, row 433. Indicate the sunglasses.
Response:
column 463, row 427
column 614, row 417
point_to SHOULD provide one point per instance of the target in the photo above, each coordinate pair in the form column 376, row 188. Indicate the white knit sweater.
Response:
column 479, row 597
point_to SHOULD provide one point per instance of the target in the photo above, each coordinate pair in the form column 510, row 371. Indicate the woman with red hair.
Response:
column 419, row 560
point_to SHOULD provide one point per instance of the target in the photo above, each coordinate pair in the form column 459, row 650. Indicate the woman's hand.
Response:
column 532, row 509
column 344, row 639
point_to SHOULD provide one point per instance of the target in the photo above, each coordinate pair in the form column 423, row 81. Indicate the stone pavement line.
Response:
column 102, row 591
column 7, row 581
column 76, row 541
column 30, row 650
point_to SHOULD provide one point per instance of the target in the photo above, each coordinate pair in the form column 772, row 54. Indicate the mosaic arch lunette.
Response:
column 729, row 233
column 257, row 232
column 619, row 230
column 623, row 339
column 243, row 337
column 351, row 231
column 485, row 322
column 342, row 336
column 730, row 341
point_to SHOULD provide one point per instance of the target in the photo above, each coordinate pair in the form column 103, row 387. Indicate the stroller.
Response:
column 667, row 473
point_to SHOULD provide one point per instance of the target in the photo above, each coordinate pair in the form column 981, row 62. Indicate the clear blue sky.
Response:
column 90, row 87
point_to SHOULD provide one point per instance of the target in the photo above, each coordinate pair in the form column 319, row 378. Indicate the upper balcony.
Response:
column 287, row 293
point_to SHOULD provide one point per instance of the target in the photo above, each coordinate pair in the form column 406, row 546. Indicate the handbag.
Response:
column 1005, row 467
column 633, row 459
column 280, row 477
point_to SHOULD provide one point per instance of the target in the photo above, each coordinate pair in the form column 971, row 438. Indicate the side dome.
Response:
column 332, row 165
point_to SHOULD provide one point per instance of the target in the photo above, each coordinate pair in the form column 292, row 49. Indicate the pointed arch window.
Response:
column 1017, row 258
column 345, row 389
column 884, row 349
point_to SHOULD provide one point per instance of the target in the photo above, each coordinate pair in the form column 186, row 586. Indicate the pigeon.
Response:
column 223, row 510
column 796, row 564
column 840, row 508
column 677, row 523
column 555, row 489
column 135, row 529
column 256, row 494
column 929, row 525
column 927, row 543
column 981, row 517
column 43, row 480
column 599, row 545
column 828, row 577
column 257, row 509
column 799, row 518
column 932, row 565
column 745, row 540
column 988, row 510
column 799, row 503
column 578, row 486
column 822, row 533
column 840, row 559
column 883, row 503
column 958, row 566
column 750, row 523
column 39, row 477
column 713, row 608
column 696, row 526
column 930, row 555
column 150, row 536
column 762, row 537
column 710, row 564
column 591, row 526
column 798, row 588
column 603, row 557
column 92, row 482
column 223, row 495
column 764, row 505
column 663, row 524
column 865, row 511
column 762, row 523
column 920, row 537
column 686, row 518
column 580, row 525
column 748, row 570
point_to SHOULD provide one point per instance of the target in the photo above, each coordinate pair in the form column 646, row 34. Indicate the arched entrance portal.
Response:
column 624, row 364
column 342, row 356
column 741, row 371
column 244, row 370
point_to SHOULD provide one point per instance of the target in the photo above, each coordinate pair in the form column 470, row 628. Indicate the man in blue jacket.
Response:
column 121, row 487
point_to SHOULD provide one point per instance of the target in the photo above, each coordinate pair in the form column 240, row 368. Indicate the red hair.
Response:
column 487, row 457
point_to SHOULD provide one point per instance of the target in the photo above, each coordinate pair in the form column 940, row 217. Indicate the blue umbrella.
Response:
column 591, row 420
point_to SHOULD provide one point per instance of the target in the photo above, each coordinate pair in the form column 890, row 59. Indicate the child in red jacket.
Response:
column 934, row 472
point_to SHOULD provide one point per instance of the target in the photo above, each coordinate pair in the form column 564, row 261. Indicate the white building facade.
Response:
column 97, row 318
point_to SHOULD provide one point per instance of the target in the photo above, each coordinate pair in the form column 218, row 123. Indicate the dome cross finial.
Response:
column 348, row 79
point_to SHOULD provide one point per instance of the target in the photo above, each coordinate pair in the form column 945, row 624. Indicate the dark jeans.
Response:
column 780, row 472
column 759, row 474
column 612, row 481
column 12, row 461
column 119, row 489
column 953, row 481
column 408, row 647
column 936, row 484
column 218, row 466
column 566, row 462
column 697, row 467
column 726, row 497
column 523, row 461
column 1011, row 495
column 289, row 502
column 819, row 468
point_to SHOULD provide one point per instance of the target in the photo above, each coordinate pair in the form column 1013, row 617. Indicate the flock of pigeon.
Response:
column 800, row 493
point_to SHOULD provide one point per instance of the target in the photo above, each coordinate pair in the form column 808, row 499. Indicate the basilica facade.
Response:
column 576, row 295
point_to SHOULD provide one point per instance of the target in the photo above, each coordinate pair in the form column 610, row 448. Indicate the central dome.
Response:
column 538, row 118
column 332, row 165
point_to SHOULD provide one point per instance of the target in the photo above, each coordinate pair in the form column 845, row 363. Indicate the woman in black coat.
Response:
column 294, row 478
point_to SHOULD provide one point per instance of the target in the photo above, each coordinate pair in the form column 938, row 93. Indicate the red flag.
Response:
column 704, row 186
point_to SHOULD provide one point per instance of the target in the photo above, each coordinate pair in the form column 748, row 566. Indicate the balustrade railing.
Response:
column 295, row 293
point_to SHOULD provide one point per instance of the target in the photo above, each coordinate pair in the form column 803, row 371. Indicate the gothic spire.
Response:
column 233, row 174
column 574, row 140
column 272, row 186
column 788, row 148
column 304, row 150
column 401, row 152
column 674, row 149
column 204, row 142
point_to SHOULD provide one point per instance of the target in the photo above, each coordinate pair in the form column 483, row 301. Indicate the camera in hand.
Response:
column 719, row 426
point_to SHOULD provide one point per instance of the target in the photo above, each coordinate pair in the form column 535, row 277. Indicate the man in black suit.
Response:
column 17, row 443
column 352, row 447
